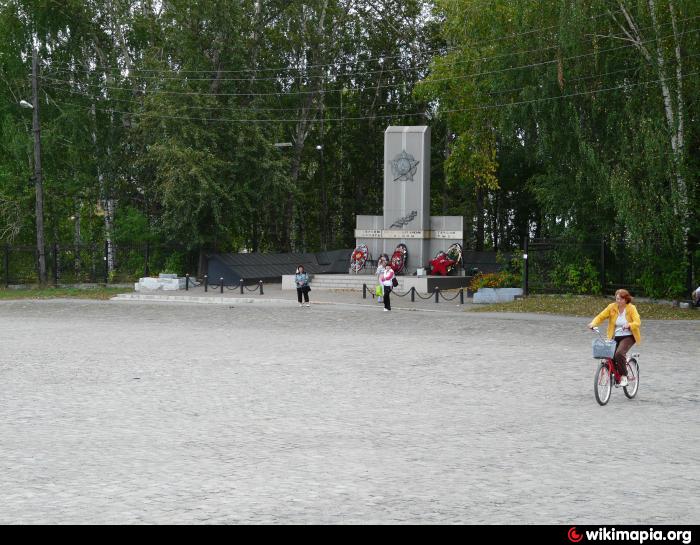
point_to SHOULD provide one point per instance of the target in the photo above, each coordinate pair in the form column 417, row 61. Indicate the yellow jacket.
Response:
column 611, row 313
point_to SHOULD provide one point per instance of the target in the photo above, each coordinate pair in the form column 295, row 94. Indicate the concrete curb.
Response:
column 129, row 297
column 200, row 300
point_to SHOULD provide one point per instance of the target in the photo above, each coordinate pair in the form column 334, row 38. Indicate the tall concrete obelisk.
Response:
column 406, row 216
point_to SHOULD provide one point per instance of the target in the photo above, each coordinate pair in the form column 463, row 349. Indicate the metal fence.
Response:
column 102, row 263
column 594, row 267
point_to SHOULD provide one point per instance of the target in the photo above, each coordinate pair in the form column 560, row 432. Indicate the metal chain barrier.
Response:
column 413, row 292
column 189, row 282
column 400, row 294
column 221, row 285
column 449, row 298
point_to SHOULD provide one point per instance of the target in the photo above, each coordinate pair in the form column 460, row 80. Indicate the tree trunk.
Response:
column 673, row 113
column 77, row 242
column 301, row 133
column 479, row 241
column 106, row 202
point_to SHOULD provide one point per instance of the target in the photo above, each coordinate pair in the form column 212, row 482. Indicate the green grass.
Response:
column 588, row 306
column 53, row 293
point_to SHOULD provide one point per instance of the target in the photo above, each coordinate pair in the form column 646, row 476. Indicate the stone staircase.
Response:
column 346, row 281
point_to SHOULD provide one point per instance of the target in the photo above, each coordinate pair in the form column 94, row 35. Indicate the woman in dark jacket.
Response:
column 301, row 279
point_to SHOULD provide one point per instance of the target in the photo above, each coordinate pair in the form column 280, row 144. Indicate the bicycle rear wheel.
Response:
column 632, row 379
column 602, row 385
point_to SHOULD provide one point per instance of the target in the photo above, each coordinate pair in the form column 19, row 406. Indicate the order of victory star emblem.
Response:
column 404, row 167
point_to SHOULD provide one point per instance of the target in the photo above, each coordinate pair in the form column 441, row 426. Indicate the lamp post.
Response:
column 324, row 202
column 38, row 183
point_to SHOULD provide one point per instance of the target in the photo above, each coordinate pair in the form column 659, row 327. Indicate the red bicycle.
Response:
column 606, row 376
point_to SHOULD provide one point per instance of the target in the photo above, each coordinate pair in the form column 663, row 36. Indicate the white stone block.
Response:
column 496, row 295
column 171, row 284
column 149, row 283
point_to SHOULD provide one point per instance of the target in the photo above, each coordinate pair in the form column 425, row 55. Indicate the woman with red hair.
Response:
column 624, row 320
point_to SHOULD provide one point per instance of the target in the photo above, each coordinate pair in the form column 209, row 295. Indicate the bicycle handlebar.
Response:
column 597, row 330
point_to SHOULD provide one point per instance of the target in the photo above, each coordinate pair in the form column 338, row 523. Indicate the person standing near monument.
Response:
column 381, row 266
column 301, row 279
column 387, row 283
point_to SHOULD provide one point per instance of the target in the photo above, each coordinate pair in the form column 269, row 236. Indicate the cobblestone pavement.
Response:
column 175, row 413
column 449, row 300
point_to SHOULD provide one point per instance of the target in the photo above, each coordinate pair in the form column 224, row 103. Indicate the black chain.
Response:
column 400, row 295
column 430, row 296
column 450, row 299
column 256, row 288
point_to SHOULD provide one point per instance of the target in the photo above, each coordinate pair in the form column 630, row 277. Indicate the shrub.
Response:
column 578, row 278
column 502, row 279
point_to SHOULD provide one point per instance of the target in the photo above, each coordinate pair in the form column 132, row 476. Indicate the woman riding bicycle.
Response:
column 622, row 316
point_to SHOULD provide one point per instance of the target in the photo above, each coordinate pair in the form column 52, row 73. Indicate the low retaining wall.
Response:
column 496, row 295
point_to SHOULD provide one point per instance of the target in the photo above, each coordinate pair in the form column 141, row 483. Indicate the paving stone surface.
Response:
column 123, row 412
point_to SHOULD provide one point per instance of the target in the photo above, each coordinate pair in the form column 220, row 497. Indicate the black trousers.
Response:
column 305, row 292
column 387, row 301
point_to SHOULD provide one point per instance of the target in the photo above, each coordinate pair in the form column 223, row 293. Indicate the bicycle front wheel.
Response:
column 632, row 379
column 602, row 386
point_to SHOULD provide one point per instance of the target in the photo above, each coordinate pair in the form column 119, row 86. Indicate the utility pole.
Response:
column 38, row 184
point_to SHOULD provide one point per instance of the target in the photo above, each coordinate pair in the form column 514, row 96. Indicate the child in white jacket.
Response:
column 387, row 283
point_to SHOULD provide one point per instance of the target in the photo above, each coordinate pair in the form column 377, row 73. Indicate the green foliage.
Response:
column 174, row 264
column 585, row 306
column 132, row 226
column 546, row 122
column 665, row 280
column 501, row 279
column 579, row 277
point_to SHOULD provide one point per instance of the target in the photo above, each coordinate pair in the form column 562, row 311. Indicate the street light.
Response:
column 38, row 183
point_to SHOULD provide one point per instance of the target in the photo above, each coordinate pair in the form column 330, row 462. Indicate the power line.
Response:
column 419, row 66
column 380, row 59
column 408, row 114
column 345, row 74
column 375, row 87
column 250, row 109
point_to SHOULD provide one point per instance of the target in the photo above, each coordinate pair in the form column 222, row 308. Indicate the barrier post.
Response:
column 526, row 269
column 187, row 282
column 7, row 265
column 364, row 291
column 240, row 283
column 413, row 294
column 222, row 284
column 437, row 294
column 55, row 264
column 261, row 288
column 105, row 258
column 206, row 283
column 461, row 296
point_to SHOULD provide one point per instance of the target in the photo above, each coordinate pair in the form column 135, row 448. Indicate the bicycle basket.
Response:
column 603, row 349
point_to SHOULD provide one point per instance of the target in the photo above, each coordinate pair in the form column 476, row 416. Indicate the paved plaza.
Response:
column 146, row 412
